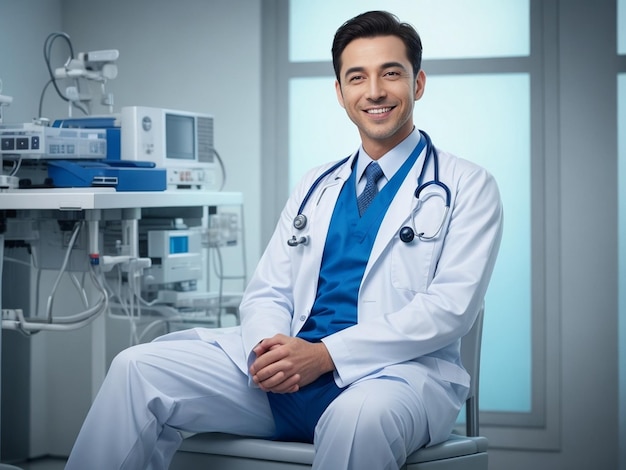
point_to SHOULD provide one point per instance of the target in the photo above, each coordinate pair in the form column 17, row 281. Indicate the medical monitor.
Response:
column 179, row 141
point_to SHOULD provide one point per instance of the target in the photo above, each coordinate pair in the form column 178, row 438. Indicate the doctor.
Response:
column 350, row 337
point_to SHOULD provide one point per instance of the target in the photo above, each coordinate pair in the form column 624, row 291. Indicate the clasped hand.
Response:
column 284, row 364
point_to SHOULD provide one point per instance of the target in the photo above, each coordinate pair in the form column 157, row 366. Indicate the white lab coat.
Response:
column 416, row 299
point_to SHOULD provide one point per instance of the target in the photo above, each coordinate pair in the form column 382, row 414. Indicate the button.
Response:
column 8, row 143
column 302, row 317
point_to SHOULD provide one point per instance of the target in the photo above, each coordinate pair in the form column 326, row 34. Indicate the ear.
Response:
column 420, row 84
column 339, row 93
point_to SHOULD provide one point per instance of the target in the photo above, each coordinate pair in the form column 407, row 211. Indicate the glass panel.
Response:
column 486, row 119
column 319, row 130
column 482, row 28
column 621, row 133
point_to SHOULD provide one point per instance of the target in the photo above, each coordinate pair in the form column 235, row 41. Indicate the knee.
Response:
column 377, row 417
column 125, row 357
column 128, row 359
column 367, row 414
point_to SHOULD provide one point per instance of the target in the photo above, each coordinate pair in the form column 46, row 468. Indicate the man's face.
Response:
column 377, row 89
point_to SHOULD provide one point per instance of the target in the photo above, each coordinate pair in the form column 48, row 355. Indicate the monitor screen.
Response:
column 180, row 137
column 179, row 244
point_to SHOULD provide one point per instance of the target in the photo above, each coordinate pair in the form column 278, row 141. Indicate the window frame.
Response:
column 539, row 428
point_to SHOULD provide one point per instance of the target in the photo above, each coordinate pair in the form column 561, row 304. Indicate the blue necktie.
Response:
column 373, row 173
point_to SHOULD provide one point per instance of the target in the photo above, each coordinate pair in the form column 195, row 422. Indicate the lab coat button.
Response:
column 302, row 317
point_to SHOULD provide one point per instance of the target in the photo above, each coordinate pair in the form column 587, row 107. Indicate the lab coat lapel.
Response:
column 398, row 214
column 322, row 206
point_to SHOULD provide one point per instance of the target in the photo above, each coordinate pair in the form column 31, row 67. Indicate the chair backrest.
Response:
column 470, row 355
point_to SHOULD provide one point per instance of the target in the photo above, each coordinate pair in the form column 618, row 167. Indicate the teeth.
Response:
column 378, row 110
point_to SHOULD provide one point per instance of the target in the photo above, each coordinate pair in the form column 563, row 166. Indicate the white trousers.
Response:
column 180, row 382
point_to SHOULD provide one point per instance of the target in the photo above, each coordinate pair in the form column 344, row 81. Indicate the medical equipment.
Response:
column 98, row 66
column 121, row 175
column 146, row 265
column 180, row 141
column 35, row 141
column 176, row 259
column 6, row 181
column 407, row 233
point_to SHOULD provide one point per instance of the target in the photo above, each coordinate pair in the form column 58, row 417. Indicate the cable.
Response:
column 47, row 49
column 79, row 320
column 16, row 160
column 43, row 92
column 66, row 259
column 221, row 162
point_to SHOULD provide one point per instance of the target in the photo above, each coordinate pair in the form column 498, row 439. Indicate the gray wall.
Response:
column 190, row 54
column 194, row 55
column 582, row 251
column 24, row 26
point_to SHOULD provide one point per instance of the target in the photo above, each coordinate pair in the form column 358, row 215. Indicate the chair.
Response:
column 229, row 452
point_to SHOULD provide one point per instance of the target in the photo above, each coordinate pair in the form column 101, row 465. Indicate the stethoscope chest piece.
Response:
column 407, row 234
column 299, row 221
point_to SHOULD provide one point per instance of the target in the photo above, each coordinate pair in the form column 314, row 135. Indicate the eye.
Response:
column 392, row 74
column 356, row 78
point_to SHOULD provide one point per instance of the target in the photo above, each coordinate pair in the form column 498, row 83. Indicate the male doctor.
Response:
column 349, row 340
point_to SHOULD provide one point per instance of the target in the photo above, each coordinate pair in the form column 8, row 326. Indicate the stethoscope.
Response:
column 407, row 233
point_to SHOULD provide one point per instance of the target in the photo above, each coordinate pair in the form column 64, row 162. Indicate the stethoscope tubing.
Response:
column 407, row 234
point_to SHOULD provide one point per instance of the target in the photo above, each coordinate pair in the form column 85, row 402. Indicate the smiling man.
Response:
column 377, row 85
column 350, row 332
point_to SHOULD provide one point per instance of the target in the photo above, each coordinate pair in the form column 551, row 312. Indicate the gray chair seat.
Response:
column 216, row 450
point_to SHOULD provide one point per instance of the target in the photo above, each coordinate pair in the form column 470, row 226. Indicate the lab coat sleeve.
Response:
column 268, row 303
column 429, row 321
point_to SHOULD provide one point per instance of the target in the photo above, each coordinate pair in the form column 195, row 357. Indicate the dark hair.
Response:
column 372, row 24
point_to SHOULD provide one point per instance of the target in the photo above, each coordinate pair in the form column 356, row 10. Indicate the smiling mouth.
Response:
column 378, row 110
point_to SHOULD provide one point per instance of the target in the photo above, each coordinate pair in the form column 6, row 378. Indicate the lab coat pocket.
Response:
column 411, row 264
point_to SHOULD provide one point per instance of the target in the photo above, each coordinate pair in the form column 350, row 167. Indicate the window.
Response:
column 483, row 101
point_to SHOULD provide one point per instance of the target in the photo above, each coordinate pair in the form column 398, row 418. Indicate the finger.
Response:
column 279, row 379
column 269, row 382
column 288, row 385
column 273, row 356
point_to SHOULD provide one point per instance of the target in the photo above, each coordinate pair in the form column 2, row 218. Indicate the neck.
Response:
column 377, row 148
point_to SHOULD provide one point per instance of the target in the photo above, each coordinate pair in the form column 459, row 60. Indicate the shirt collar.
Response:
column 392, row 160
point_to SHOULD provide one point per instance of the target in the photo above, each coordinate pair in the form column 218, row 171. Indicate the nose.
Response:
column 376, row 90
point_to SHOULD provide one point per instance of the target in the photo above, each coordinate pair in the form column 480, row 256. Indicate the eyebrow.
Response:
column 384, row 66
